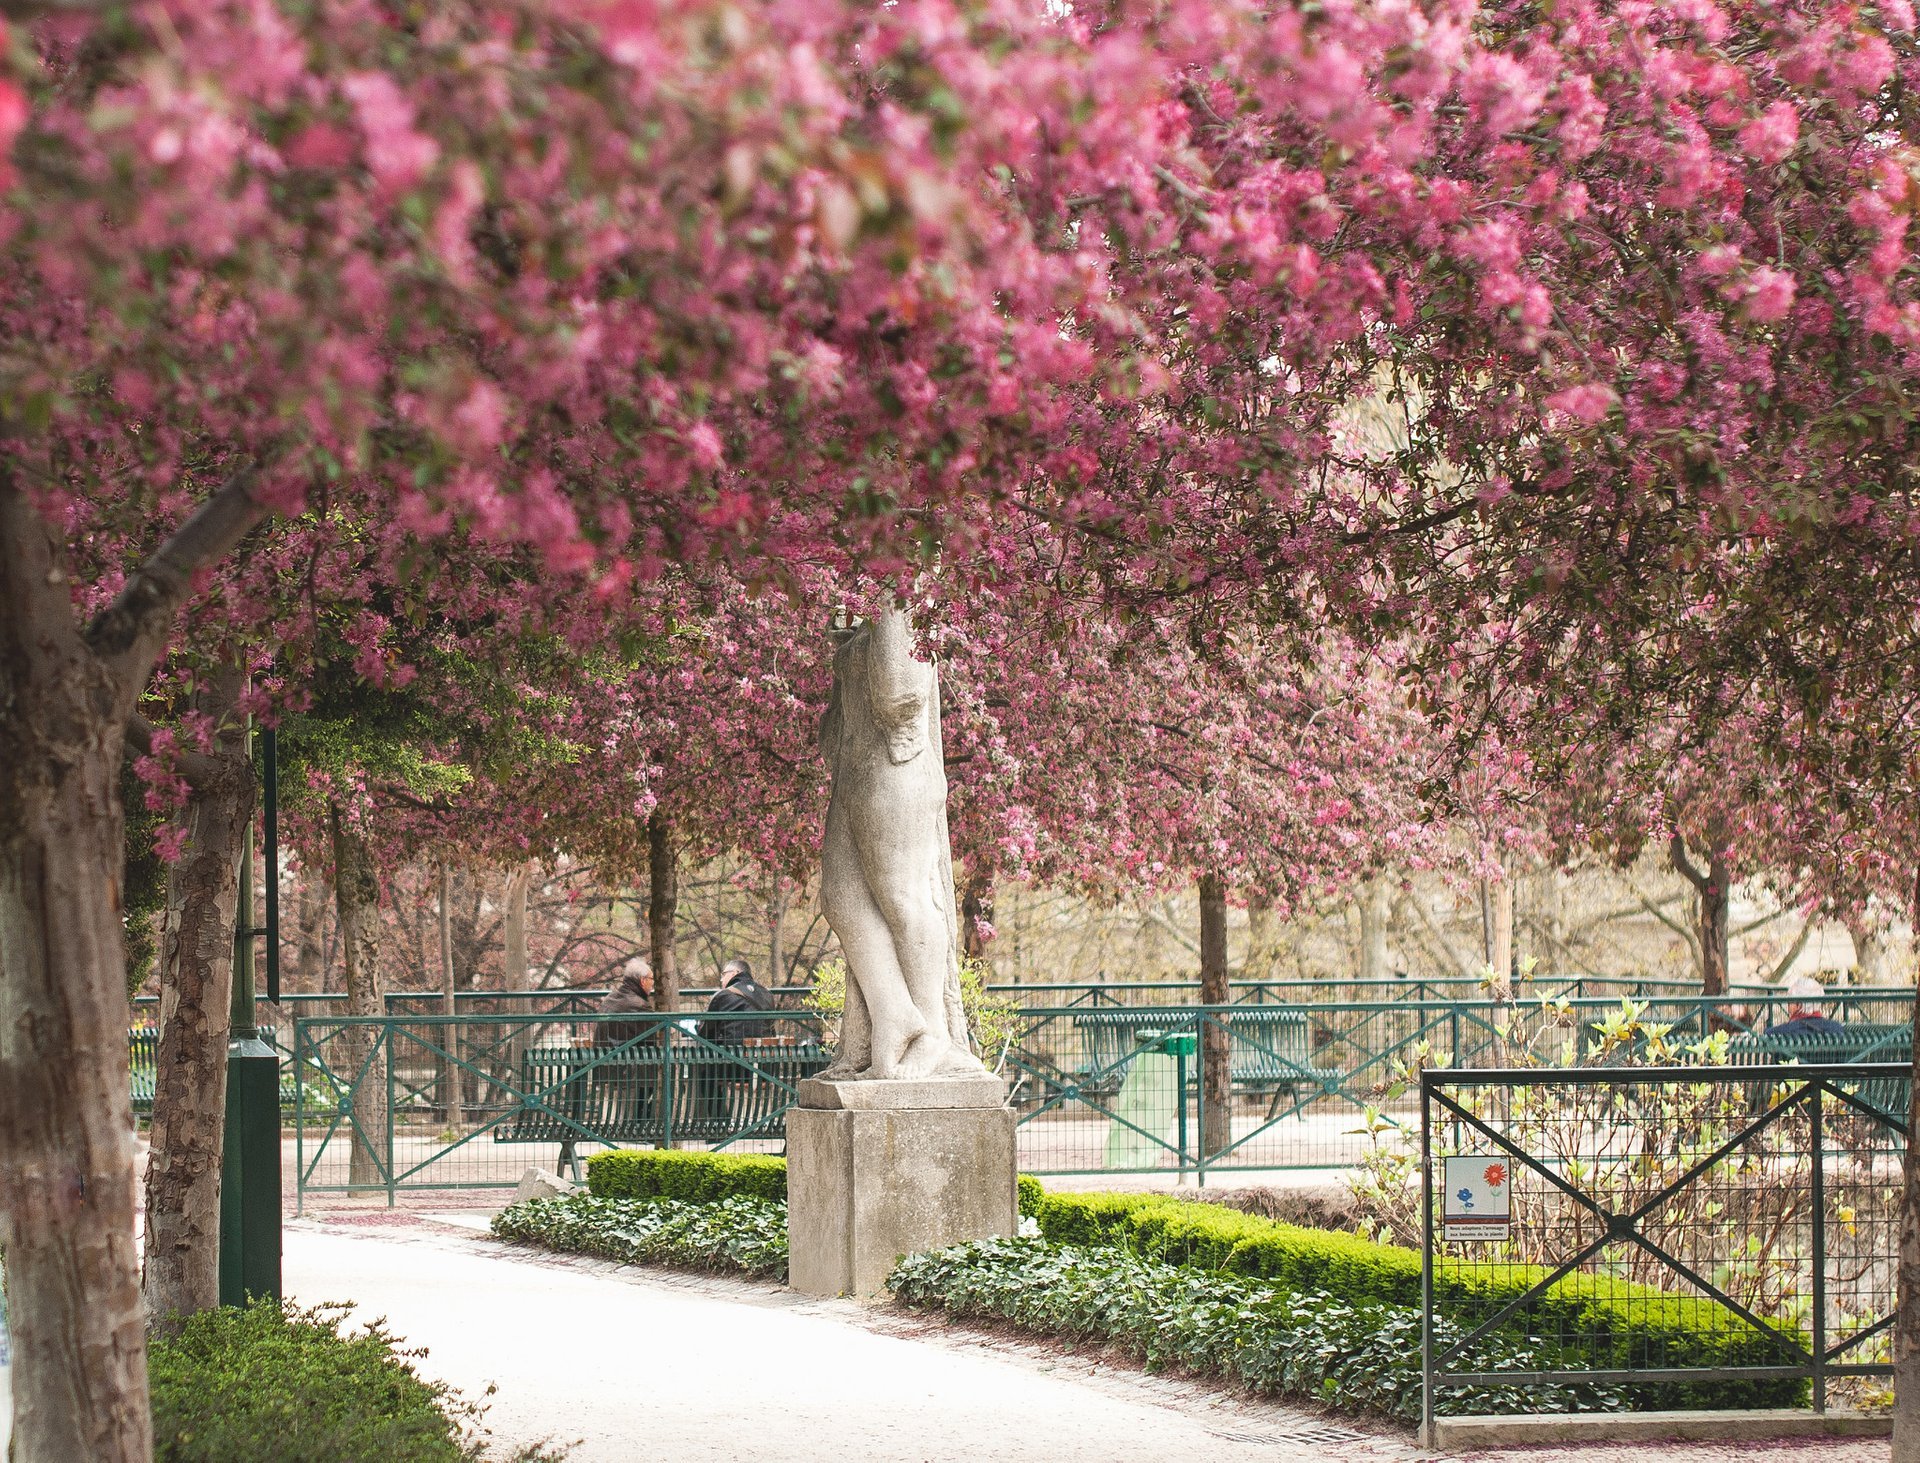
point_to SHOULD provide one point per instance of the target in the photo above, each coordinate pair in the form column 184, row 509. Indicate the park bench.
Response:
column 1271, row 1047
column 644, row 1094
column 143, row 1065
column 1864, row 1041
column 143, row 1062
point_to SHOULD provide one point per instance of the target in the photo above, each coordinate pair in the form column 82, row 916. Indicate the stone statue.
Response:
column 886, row 871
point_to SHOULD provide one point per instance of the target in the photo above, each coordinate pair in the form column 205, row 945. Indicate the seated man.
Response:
column 739, row 991
column 1804, row 1017
column 633, row 994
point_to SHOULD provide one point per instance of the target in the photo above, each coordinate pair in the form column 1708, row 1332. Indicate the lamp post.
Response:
column 250, row 1158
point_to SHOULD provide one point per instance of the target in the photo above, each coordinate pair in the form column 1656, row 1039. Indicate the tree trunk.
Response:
column 450, row 1075
column 1259, row 962
column 1881, row 954
column 1216, row 1052
column 1906, row 1316
column 67, row 1181
column 356, row 890
column 182, row 1276
column 309, row 951
column 1376, row 914
column 1713, row 889
column 663, row 898
column 514, row 927
column 976, row 916
column 777, row 934
column 1501, row 961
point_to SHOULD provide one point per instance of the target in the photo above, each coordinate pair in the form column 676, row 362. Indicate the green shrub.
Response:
column 741, row 1233
column 1029, row 1194
column 1306, row 1344
column 236, row 1386
column 699, row 1178
column 1606, row 1323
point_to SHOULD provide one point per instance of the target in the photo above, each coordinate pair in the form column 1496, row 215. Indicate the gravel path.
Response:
column 638, row 1364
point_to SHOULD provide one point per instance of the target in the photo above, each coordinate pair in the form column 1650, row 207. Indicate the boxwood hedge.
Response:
column 1608, row 1323
column 691, row 1176
column 704, row 1177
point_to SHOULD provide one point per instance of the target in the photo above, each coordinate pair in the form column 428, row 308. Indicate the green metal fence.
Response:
column 471, row 1101
column 1654, row 1237
column 437, row 1102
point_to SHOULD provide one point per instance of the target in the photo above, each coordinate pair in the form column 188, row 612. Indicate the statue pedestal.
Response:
column 877, row 1170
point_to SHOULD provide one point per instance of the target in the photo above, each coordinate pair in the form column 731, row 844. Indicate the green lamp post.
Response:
column 250, row 1160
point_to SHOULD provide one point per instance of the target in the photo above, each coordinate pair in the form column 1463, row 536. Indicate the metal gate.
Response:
column 1655, row 1237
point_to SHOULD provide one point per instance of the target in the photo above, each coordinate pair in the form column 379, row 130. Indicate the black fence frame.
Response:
column 1816, row 1363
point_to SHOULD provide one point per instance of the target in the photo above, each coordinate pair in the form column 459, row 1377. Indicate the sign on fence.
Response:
column 1476, row 1203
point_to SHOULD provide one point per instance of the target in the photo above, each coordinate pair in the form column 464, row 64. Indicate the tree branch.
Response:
column 196, row 767
column 1685, row 866
column 127, row 634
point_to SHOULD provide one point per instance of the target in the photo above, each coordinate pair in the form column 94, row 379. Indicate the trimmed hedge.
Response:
column 691, row 1176
column 741, row 1233
column 236, row 1386
column 1304, row 1344
column 1611, row 1323
column 1029, row 1195
column 701, row 1178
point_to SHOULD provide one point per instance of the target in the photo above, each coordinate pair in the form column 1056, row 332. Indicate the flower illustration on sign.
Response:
column 1496, row 1175
column 1465, row 1196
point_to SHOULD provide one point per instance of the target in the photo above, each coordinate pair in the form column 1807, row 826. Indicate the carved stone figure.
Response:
column 886, row 871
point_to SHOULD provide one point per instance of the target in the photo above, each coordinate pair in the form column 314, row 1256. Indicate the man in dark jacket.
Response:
column 634, row 993
column 739, row 991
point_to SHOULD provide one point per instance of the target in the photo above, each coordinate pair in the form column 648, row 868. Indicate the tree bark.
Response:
column 1501, row 897
column 1216, row 1052
column 777, row 934
column 309, row 951
column 356, row 890
column 182, row 1275
column 1259, row 962
column 514, row 927
column 1376, row 915
column 1906, row 1318
column 1713, row 889
column 67, row 1180
column 450, row 1075
column 976, row 916
column 663, row 899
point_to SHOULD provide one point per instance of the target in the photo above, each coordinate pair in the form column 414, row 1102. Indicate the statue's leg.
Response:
column 856, row 1036
column 923, row 940
column 893, row 1020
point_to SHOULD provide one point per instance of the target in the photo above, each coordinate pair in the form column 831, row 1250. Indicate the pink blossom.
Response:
column 1769, row 293
column 1589, row 402
column 1770, row 137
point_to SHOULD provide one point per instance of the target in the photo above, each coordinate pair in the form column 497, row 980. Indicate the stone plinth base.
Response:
column 868, row 1183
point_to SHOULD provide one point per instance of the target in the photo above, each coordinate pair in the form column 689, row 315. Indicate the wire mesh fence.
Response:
column 475, row 1098
column 1657, row 1237
column 438, row 1102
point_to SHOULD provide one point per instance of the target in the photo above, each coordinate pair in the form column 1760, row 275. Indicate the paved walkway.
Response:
column 639, row 1364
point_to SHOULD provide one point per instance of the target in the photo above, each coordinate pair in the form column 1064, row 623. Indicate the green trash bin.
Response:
column 1147, row 1111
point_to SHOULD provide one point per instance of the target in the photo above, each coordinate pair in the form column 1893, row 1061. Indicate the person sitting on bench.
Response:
column 1805, row 1018
column 633, row 994
column 739, row 991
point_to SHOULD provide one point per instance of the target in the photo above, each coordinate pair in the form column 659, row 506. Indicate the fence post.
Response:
column 1427, row 1439
column 299, row 1121
column 384, row 1037
column 1819, row 1247
column 673, row 1097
